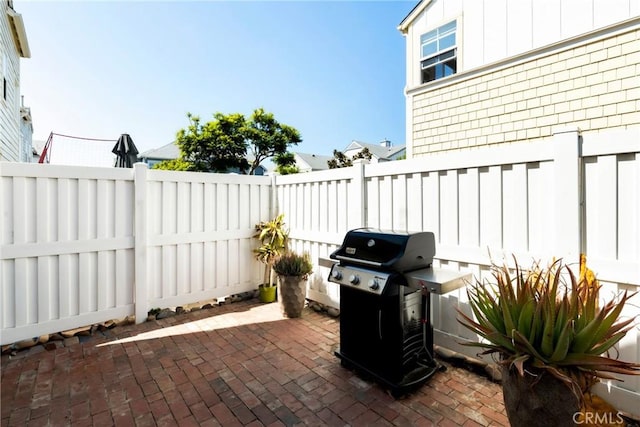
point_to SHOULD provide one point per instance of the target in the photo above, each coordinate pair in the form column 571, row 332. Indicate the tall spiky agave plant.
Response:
column 536, row 318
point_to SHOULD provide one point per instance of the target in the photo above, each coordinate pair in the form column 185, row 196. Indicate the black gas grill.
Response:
column 385, row 280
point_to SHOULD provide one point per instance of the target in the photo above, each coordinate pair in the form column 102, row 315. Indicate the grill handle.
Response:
column 359, row 261
column 380, row 324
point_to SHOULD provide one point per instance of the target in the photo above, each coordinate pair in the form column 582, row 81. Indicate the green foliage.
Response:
column 341, row 160
column 274, row 239
column 293, row 264
column 173, row 165
column 363, row 154
column 266, row 137
column 287, row 170
column 216, row 146
column 286, row 164
column 222, row 144
column 535, row 318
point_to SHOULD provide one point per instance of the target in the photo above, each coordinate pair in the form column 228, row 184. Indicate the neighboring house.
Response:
column 493, row 72
column 37, row 147
column 311, row 162
column 383, row 152
column 171, row 151
column 157, row 155
column 26, row 135
column 13, row 46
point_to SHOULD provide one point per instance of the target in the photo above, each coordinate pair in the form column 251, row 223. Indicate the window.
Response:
column 438, row 53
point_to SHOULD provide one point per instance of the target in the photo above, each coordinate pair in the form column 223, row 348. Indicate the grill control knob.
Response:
column 374, row 285
column 354, row 280
column 336, row 274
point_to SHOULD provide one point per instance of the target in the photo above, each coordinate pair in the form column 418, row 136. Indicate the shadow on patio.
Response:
column 237, row 364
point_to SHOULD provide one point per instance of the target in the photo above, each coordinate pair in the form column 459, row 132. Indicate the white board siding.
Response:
column 493, row 30
column 10, row 135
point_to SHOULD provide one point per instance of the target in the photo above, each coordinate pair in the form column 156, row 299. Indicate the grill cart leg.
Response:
column 428, row 353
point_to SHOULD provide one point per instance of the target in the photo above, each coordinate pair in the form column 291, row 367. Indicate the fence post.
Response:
column 568, row 194
column 140, row 241
column 273, row 205
column 360, row 196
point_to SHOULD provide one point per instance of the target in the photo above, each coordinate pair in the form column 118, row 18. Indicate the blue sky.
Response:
column 335, row 70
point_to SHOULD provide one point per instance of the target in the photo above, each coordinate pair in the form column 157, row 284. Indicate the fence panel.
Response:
column 319, row 208
column 480, row 210
column 521, row 199
column 85, row 245
column 612, row 232
column 67, row 247
column 200, row 235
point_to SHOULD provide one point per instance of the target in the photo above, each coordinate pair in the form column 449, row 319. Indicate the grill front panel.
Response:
column 383, row 334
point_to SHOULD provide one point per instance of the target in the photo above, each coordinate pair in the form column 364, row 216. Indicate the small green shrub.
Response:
column 293, row 264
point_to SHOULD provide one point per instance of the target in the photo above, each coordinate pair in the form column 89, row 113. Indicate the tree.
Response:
column 216, row 146
column 341, row 160
column 266, row 137
column 286, row 164
column 222, row 144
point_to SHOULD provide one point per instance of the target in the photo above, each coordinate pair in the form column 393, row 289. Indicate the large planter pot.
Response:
column 291, row 295
column 538, row 399
column 267, row 293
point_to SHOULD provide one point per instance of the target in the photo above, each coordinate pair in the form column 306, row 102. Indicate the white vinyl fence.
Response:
column 81, row 245
column 84, row 245
column 557, row 197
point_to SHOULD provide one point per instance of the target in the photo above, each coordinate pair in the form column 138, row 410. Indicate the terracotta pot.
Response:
column 537, row 399
column 291, row 295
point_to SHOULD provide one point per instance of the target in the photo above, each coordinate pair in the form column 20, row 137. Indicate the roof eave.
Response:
column 408, row 20
column 20, row 33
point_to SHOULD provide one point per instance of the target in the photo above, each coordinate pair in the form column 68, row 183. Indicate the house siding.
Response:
column 492, row 30
column 26, row 135
column 591, row 84
column 10, row 135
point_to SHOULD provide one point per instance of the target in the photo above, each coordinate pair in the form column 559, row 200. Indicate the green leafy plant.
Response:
column 274, row 239
column 293, row 264
column 536, row 318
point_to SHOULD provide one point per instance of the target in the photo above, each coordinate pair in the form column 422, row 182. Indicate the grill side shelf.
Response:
column 437, row 280
column 326, row 262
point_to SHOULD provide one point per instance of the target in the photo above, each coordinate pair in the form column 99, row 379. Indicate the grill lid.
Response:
column 387, row 249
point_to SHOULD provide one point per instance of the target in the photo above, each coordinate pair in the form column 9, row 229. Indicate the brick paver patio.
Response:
column 240, row 364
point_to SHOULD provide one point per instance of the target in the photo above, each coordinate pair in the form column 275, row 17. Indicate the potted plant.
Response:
column 553, row 337
column 293, row 270
column 273, row 237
